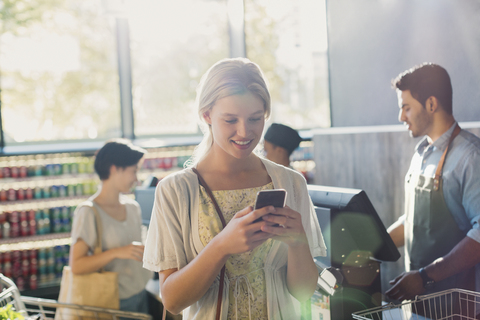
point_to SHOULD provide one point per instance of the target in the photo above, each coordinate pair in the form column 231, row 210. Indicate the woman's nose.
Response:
column 242, row 129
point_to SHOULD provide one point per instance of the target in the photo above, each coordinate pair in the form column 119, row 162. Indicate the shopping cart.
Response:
column 42, row 309
column 453, row 304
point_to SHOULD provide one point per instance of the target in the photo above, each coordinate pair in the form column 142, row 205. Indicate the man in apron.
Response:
column 441, row 225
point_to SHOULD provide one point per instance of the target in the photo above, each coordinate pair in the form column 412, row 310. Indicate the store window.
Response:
column 288, row 39
column 172, row 44
column 59, row 75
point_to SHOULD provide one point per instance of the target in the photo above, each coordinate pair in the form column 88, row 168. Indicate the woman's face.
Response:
column 125, row 178
column 237, row 124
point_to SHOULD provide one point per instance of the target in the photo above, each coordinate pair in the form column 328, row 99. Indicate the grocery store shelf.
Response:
column 52, row 177
column 45, row 202
column 35, row 242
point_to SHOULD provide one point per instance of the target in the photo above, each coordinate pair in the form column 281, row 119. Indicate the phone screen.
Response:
column 273, row 197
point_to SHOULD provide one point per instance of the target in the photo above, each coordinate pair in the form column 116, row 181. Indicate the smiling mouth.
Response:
column 242, row 143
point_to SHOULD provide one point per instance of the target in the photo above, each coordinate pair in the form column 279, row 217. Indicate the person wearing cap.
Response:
column 280, row 142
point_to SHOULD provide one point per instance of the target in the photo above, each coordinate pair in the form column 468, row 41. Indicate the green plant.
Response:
column 6, row 313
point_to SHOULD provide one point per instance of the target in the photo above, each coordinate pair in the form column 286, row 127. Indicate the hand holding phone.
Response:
column 271, row 197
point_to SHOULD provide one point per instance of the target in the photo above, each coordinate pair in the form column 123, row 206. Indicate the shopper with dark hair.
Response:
column 116, row 163
column 118, row 153
column 279, row 143
column 441, row 225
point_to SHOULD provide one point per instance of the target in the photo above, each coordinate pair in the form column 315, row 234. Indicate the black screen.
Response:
column 354, row 224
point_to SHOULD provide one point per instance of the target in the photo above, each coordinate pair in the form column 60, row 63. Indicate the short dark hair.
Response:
column 120, row 153
column 283, row 136
column 424, row 81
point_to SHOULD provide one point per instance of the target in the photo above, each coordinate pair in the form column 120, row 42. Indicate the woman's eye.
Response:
column 231, row 121
column 256, row 119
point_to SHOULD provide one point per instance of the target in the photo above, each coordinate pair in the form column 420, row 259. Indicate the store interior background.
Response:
column 75, row 73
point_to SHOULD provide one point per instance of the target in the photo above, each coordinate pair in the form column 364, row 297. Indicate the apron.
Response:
column 430, row 229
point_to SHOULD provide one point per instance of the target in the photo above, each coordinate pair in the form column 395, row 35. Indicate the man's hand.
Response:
column 406, row 286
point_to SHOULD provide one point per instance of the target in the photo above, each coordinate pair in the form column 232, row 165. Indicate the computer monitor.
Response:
column 145, row 196
column 356, row 241
column 354, row 224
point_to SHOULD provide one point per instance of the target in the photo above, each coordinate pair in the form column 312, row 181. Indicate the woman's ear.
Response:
column 206, row 116
column 113, row 169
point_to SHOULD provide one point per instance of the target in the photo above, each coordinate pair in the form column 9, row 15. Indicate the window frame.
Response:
column 237, row 48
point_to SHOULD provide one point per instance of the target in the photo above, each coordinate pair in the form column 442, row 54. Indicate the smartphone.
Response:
column 272, row 197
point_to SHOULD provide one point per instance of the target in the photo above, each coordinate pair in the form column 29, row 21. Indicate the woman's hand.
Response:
column 286, row 224
column 133, row 251
column 82, row 263
column 243, row 233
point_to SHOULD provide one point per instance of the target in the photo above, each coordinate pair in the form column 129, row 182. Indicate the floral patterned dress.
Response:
column 245, row 273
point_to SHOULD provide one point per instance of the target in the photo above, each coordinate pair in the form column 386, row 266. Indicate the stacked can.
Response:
column 51, row 262
column 21, row 266
column 60, row 218
column 51, row 169
column 61, row 259
column 46, row 265
column 42, row 217
column 66, row 214
column 14, row 172
column 87, row 187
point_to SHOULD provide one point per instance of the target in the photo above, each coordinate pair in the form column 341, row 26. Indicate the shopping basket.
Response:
column 9, row 295
column 453, row 304
column 42, row 309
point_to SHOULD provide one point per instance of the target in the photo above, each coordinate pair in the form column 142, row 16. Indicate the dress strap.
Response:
column 237, row 293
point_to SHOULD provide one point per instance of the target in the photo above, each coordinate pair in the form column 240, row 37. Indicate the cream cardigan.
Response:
column 173, row 239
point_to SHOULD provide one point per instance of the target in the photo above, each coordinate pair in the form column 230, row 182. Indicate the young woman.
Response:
column 267, row 261
column 116, row 164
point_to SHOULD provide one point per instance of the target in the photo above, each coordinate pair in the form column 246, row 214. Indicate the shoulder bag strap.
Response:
column 98, row 226
column 220, row 215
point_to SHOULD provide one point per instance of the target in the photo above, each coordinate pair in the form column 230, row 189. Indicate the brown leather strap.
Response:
column 210, row 194
column 220, row 215
column 439, row 172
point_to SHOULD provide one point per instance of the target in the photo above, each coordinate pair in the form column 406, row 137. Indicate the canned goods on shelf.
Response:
column 46, row 192
column 28, row 193
column 74, row 168
column 21, row 194
column 6, row 172
column 71, row 190
column 57, row 169
column 23, row 172
column 79, row 189
column 3, row 195
column 11, row 194
column 54, row 192
column 37, row 193
column 62, row 191
column 49, row 170
column 39, row 170
column 14, row 172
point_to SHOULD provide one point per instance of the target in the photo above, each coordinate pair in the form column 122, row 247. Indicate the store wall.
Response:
column 371, row 42
column 374, row 159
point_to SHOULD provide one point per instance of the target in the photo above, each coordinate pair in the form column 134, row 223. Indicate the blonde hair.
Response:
column 225, row 78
